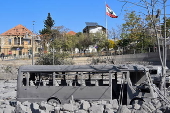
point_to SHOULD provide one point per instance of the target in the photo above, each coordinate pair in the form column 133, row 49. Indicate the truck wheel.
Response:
column 136, row 100
column 53, row 101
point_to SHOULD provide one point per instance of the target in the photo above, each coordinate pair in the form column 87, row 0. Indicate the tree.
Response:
column 131, row 28
column 111, row 44
column 151, row 7
column 46, row 32
column 49, row 23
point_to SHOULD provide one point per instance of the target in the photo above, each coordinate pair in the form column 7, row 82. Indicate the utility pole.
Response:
column 33, row 45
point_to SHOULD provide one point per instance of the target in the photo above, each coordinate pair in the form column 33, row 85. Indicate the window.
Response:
column 29, row 42
column 37, row 79
column 9, row 41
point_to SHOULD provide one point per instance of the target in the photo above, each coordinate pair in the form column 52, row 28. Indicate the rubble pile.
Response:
column 8, row 72
column 81, row 106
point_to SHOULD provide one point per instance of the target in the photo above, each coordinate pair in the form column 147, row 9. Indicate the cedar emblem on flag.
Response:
column 110, row 12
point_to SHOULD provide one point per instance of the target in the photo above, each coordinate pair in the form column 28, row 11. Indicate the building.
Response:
column 93, row 27
column 18, row 42
column 71, row 33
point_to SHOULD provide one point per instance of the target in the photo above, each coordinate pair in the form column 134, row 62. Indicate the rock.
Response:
column 158, row 111
column 108, row 106
column 114, row 104
column 85, row 105
column 26, row 103
column 140, row 111
column 9, row 109
column 156, row 103
column 108, row 110
column 136, row 106
column 123, row 109
column 96, row 109
column 48, row 107
column 68, row 107
column 81, row 111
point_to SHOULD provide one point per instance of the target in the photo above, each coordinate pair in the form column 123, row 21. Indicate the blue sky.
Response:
column 70, row 13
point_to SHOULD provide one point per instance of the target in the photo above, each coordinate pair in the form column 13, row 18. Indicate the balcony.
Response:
column 16, row 45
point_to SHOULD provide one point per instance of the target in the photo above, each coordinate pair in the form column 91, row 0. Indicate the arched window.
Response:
column 15, row 41
column 22, row 41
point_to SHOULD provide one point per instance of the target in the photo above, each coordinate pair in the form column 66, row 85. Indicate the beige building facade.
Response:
column 18, row 42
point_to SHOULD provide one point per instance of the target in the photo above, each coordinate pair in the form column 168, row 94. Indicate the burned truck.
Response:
column 61, row 83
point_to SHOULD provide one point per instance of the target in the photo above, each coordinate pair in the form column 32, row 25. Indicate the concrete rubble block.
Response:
column 21, row 108
column 1, row 110
column 85, row 105
column 140, row 111
column 42, row 111
column 47, row 107
column 9, row 109
column 123, row 109
column 6, row 102
column 103, row 102
column 114, row 104
column 66, row 112
column 158, row 111
column 129, row 106
column 96, row 109
column 42, row 105
column 108, row 110
column 68, row 107
column 81, row 111
column 108, row 106
column 26, row 103
column 136, row 106
column 156, row 103
column 2, row 106
column 34, row 108
column 35, row 105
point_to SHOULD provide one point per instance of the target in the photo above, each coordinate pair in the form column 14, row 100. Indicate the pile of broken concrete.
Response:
column 80, row 106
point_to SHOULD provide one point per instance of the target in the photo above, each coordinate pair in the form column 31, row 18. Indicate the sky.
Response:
column 71, row 14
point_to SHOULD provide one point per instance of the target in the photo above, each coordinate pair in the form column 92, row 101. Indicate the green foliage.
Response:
column 49, row 22
column 44, row 31
column 59, row 59
column 133, row 26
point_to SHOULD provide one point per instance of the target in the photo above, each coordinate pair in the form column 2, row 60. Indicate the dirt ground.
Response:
column 19, row 62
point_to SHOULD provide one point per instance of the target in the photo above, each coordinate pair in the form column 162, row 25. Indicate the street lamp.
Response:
column 33, row 45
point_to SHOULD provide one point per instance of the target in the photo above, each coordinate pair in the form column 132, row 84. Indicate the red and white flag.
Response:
column 110, row 12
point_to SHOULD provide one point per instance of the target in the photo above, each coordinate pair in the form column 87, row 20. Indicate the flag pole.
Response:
column 106, row 20
column 106, row 28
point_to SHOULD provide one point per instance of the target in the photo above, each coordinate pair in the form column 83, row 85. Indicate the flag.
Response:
column 110, row 12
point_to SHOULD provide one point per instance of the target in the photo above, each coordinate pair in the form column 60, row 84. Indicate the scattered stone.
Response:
column 68, row 107
column 96, row 109
column 136, row 106
column 85, row 105
column 123, row 109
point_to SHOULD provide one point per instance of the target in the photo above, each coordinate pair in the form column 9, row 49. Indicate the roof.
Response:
column 17, row 30
column 71, row 33
column 81, row 68
column 91, row 24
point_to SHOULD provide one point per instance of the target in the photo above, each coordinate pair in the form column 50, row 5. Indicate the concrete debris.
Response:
column 96, row 109
column 123, row 109
column 85, row 105
column 136, row 106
